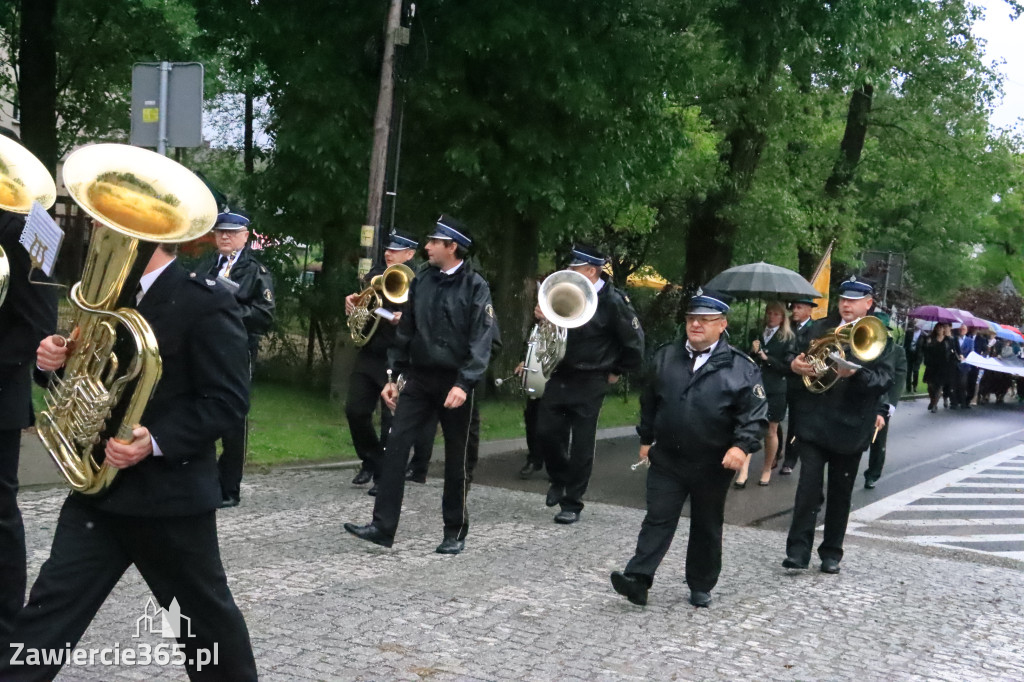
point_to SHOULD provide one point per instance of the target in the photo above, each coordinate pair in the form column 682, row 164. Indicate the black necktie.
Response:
column 694, row 354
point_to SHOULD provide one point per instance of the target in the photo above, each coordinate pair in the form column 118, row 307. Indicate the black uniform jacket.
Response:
column 612, row 342
column 28, row 314
column 204, row 387
column 447, row 325
column 775, row 369
column 699, row 417
column 255, row 293
column 842, row 419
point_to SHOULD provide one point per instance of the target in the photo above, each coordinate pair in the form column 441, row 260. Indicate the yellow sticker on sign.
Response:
column 150, row 114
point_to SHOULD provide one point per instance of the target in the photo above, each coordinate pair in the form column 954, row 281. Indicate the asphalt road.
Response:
column 921, row 447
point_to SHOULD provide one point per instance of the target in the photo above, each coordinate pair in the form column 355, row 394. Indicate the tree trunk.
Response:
column 37, row 87
column 513, row 289
column 247, row 151
column 843, row 172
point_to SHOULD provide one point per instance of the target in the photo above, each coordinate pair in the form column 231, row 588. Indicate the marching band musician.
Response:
column 443, row 346
column 253, row 287
column 834, row 428
column 800, row 322
column 369, row 373
column 27, row 315
column 702, row 413
column 596, row 355
column 160, row 513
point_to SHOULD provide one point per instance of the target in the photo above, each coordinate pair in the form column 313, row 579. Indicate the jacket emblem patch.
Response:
column 759, row 391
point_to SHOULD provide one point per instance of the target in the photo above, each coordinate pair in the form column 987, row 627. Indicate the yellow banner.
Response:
column 821, row 281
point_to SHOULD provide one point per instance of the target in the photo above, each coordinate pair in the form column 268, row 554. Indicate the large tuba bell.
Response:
column 866, row 339
column 393, row 284
column 23, row 179
column 568, row 300
column 113, row 366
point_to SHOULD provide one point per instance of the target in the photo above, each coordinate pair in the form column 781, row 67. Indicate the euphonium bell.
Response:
column 113, row 367
column 866, row 339
column 23, row 179
column 393, row 284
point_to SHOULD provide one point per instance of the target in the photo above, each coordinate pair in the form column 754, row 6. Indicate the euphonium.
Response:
column 23, row 179
column 866, row 339
column 568, row 300
column 393, row 284
column 113, row 365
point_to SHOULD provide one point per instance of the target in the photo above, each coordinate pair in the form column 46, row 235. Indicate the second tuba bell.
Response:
column 866, row 338
column 136, row 197
column 393, row 284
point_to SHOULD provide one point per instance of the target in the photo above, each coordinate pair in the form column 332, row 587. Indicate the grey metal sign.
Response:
column 167, row 105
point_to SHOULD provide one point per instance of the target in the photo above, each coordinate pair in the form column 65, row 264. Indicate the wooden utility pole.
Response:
column 371, row 237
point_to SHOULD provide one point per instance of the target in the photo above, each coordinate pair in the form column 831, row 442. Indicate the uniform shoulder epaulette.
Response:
column 204, row 282
column 743, row 355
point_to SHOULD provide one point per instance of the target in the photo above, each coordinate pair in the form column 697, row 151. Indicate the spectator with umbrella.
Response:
column 940, row 363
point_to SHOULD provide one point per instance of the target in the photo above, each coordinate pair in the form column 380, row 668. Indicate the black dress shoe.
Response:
column 362, row 477
column 529, row 470
column 229, row 502
column 411, row 475
column 790, row 562
column 451, row 546
column 567, row 517
column 869, row 483
column 830, row 566
column 555, row 495
column 370, row 533
column 786, row 471
column 700, row 599
column 630, row 588
column 372, row 492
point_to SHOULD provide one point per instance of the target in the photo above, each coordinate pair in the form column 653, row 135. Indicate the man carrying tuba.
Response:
column 369, row 373
column 834, row 428
column 596, row 355
column 253, row 288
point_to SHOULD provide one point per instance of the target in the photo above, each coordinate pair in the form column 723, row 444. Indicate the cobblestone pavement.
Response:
column 530, row 600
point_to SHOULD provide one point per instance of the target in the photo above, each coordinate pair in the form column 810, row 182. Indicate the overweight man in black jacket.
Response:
column 160, row 512
column 253, row 289
column 702, row 413
column 442, row 347
column 596, row 355
column 28, row 314
column 834, row 429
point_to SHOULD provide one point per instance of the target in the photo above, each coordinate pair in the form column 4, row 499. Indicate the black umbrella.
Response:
column 762, row 280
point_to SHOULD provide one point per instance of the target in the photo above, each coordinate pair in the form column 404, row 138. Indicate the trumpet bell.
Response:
column 139, row 193
column 394, row 282
column 568, row 299
column 866, row 338
column 23, row 179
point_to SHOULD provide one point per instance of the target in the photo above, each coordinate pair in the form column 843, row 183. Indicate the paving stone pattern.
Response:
column 531, row 600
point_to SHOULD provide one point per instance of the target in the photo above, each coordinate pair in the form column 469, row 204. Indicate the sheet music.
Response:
column 42, row 239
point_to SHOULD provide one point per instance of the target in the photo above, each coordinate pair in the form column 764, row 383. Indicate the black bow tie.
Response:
column 694, row 354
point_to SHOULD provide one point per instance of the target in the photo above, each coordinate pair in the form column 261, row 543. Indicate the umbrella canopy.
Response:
column 762, row 280
column 934, row 313
column 1004, row 333
column 1014, row 333
column 969, row 319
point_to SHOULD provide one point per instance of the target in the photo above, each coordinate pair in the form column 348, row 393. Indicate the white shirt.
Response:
column 454, row 268
column 769, row 332
column 702, row 358
column 146, row 281
column 599, row 285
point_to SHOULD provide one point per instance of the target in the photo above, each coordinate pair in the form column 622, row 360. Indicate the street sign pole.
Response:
column 161, row 144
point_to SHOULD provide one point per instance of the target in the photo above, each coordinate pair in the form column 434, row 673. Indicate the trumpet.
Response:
column 393, row 284
column 866, row 338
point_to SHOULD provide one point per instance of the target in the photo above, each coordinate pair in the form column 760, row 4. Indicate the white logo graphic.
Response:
column 164, row 622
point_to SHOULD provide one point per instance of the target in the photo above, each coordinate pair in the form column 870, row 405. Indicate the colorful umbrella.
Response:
column 934, row 313
column 969, row 319
column 1014, row 333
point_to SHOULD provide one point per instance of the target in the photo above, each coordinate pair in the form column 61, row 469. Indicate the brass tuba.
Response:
column 113, row 365
column 568, row 300
column 23, row 179
column 393, row 284
column 866, row 339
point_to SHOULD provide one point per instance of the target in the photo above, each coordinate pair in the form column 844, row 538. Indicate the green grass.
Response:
column 289, row 424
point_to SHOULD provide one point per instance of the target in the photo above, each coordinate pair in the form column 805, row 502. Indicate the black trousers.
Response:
column 842, row 473
column 12, row 533
column 669, row 484
column 423, row 449
column 876, row 454
column 913, row 371
column 534, row 453
column 422, row 402
column 972, row 385
column 567, row 432
column 792, row 453
column 178, row 558
column 235, row 448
